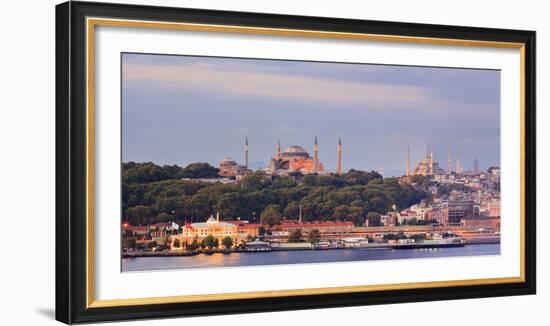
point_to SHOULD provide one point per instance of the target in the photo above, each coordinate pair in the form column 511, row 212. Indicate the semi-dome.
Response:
column 295, row 151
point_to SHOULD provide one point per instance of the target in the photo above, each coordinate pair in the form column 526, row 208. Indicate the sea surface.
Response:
column 299, row 257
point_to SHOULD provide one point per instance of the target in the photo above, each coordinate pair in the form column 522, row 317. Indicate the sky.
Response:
column 185, row 109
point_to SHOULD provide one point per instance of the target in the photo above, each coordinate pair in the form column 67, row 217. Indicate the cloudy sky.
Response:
column 184, row 109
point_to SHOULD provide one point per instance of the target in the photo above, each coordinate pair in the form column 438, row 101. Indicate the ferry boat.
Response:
column 323, row 244
column 355, row 242
column 429, row 243
column 258, row 246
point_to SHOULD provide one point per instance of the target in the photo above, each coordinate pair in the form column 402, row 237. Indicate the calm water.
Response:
column 299, row 257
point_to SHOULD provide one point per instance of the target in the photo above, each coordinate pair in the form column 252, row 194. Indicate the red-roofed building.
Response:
column 328, row 230
column 245, row 228
column 135, row 231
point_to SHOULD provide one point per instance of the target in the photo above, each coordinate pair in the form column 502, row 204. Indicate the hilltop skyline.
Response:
column 185, row 109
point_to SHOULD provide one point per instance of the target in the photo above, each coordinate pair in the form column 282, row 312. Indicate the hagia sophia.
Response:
column 293, row 159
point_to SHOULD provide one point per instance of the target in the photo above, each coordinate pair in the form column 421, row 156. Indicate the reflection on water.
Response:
column 299, row 257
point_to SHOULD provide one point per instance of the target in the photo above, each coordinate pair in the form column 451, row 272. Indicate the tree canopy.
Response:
column 154, row 193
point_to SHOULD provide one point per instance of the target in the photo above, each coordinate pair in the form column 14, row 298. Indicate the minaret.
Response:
column 315, row 155
column 339, row 166
column 431, row 163
column 218, row 216
column 279, row 150
column 449, row 160
column 300, row 216
column 427, row 152
column 408, row 163
column 458, row 165
column 246, row 153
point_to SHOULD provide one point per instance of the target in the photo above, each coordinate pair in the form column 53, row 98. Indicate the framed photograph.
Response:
column 212, row 162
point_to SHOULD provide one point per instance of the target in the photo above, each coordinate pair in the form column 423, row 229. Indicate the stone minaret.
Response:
column 246, row 153
column 339, row 166
column 408, row 165
column 458, row 165
column 315, row 156
column 449, row 162
column 279, row 150
column 427, row 151
column 432, row 163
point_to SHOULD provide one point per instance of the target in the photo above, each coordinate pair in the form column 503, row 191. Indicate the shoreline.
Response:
column 377, row 246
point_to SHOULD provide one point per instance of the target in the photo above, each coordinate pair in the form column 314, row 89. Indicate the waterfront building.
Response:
column 494, row 207
column 390, row 219
column 457, row 210
column 246, row 229
column 163, row 229
column 482, row 222
column 327, row 230
column 136, row 231
column 212, row 226
column 438, row 214
column 418, row 211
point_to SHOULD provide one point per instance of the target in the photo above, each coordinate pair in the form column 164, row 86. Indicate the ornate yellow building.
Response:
column 212, row 226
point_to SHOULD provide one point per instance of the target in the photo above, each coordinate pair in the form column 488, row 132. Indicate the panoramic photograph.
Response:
column 231, row 162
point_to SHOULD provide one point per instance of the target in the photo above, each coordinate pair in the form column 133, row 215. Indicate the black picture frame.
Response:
column 71, row 157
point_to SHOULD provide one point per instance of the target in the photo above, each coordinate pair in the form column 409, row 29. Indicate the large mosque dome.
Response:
column 295, row 150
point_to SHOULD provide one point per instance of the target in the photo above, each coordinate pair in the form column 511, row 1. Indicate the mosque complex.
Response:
column 294, row 159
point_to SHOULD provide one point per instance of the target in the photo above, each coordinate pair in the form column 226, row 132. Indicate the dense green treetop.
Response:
column 153, row 193
column 150, row 172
